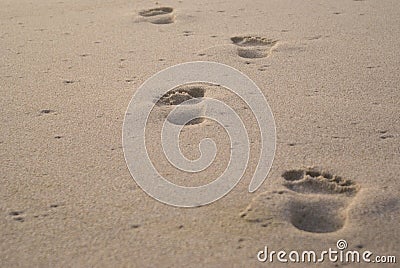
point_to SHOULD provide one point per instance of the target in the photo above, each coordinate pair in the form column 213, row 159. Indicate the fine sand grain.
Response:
column 328, row 69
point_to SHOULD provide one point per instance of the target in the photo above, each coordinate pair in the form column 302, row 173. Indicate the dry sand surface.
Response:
column 329, row 70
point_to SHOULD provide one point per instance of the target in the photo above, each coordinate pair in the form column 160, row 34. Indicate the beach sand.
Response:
column 328, row 69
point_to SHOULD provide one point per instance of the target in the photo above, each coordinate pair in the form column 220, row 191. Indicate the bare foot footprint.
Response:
column 315, row 202
column 158, row 15
column 181, row 94
column 251, row 47
column 188, row 95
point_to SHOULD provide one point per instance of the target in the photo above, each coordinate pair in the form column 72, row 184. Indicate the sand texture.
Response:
column 328, row 69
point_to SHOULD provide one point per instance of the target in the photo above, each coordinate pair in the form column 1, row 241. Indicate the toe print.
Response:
column 313, row 181
column 315, row 201
column 159, row 15
column 181, row 94
column 253, row 46
column 192, row 106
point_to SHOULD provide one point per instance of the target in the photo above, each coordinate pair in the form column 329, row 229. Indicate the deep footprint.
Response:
column 191, row 93
column 182, row 93
column 159, row 15
column 316, row 202
column 251, row 47
column 313, row 213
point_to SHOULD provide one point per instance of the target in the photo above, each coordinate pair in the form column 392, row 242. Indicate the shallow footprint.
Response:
column 251, row 47
column 158, row 15
column 315, row 202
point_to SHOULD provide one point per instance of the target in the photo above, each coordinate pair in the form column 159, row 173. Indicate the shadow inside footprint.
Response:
column 293, row 175
column 159, row 15
column 317, row 216
column 251, row 47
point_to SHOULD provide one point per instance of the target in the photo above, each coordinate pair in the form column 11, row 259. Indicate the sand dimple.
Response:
column 253, row 46
column 46, row 111
column 159, row 15
column 17, row 215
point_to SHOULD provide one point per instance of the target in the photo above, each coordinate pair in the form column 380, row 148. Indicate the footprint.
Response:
column 251, row 47
column 158, row 15
column 191, row 94
column 182, row 93
column 314, row 201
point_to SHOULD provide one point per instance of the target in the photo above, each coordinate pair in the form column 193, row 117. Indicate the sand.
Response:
column 328, row 69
